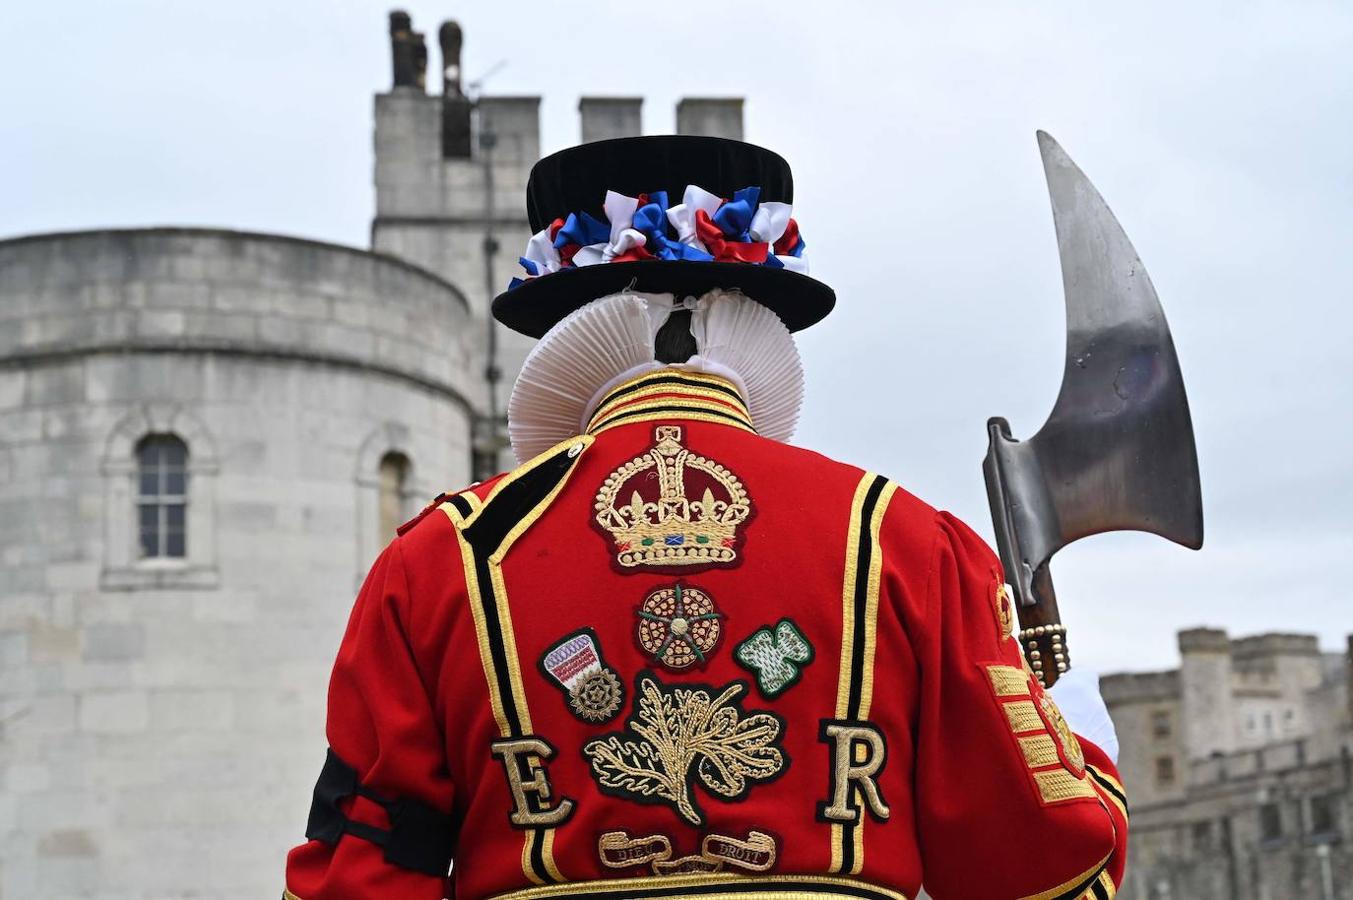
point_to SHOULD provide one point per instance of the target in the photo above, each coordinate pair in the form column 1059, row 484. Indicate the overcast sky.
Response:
column 1219, row 132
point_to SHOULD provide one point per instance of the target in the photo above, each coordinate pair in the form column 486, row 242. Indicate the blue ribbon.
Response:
column 735, row 216
column 582, row 229
column 650, row 220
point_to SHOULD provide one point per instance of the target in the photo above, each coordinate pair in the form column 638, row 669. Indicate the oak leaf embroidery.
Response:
column 683, row 735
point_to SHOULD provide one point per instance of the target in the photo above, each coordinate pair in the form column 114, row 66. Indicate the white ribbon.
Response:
column 540, row 250
column 682, row 216
column 620, row 213
column 769, row 222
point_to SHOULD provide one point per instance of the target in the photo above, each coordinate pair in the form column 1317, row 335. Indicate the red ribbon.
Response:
column 721, row 248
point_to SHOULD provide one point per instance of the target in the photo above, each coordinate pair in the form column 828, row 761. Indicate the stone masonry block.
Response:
column 27, row 778
column 55, row 385
column 114, row 712
column 67, row 842
column 114, row 641
column 184, row 710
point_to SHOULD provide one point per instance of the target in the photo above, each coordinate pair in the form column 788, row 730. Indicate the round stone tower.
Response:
column 193, row 426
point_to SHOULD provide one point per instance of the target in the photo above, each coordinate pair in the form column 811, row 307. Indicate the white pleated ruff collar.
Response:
column 610, row 342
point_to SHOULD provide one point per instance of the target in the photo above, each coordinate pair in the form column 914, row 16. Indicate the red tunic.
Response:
column 673, row 658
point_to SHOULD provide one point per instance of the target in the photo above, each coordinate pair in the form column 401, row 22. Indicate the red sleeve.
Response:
column 1010, row 804
column 381, row 725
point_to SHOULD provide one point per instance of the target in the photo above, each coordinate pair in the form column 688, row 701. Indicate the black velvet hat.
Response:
column 565, row 199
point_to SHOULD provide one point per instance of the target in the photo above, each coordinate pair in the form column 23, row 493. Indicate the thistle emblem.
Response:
column 685, row 735
column 693, row 517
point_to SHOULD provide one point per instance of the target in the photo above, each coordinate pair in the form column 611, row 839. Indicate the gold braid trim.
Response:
column 1039, row 751
column 1008, row 681
column 1057, row 785
column 1023, row 716
column 777, row 887
column 288, row 895
column 1105, row 776
column 674, row 394
column 1087, row 875
column 505, row 636
column 671, row 408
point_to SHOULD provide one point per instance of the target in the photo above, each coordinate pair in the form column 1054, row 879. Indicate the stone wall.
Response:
column 160, row 722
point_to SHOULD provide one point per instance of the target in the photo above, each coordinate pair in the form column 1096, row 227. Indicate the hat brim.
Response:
column 538, row 304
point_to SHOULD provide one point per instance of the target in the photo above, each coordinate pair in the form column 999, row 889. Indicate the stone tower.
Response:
column 451, row 174
column 205, row 438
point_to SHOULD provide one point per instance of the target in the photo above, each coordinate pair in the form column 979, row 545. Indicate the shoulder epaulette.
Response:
column 466, row 501
column 516, row 500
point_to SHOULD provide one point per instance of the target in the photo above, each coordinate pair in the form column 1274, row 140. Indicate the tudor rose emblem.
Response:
column 672, row 508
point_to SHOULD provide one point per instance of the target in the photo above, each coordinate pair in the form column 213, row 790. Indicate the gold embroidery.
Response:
column 1056, row 785
column 679, row 625
column 576, row 665
column 756, row 853
column 1039, row 751
column 1008, row 681
column 620, row 851
column 523, row 757
column 1005, row 613
column 857, row 756
column 1023, row 716
column 288, row 895
column 1071, row 747
column 597, row 696
column 670, row 528
column 682, row 734
column 1106, row 882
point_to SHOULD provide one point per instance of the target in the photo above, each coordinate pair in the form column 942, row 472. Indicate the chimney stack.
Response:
column 456, row 138
column 710, row 116
column 604, row 118
column 1348, row 675
column 409, row 52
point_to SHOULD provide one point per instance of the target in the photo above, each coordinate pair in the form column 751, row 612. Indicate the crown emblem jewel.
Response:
column 673, row 508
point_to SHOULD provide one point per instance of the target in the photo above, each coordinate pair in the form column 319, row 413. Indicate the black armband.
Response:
column 420, row 837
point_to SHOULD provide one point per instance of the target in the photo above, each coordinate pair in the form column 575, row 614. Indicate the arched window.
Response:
column 162, row 496
column 394, row 477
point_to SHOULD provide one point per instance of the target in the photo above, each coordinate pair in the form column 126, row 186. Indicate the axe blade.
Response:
column 1117, row 452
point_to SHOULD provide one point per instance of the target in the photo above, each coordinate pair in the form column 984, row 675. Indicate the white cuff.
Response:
column 1077, row 696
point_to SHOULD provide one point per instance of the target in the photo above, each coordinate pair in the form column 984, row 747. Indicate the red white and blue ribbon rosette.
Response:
column 702, row 228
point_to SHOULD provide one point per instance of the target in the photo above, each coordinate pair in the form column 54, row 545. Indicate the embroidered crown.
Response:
column 692, row 517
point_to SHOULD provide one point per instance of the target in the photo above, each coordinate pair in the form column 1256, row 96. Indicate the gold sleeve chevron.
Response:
column 1055, row 782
